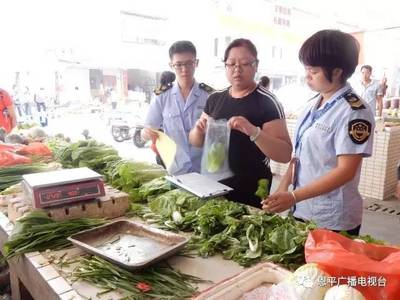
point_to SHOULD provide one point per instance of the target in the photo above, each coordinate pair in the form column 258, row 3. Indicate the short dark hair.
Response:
column 368, row 67
column 241, row 43
column 182, row 47
column 167, row 77
column 330, row 49
column 264, row 81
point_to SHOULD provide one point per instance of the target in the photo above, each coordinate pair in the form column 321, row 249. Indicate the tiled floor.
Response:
column 382, row 224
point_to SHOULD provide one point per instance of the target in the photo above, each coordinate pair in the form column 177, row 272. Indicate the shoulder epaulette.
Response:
column 354, row 101
column 206, row 88
column 163, row 88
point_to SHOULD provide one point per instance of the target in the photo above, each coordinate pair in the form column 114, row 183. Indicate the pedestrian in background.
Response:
column 265, row 82
column 370, row 90
column 166, row 80
column 41, row 99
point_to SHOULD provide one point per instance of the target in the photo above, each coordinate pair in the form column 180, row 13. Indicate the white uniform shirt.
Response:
column 177, row 117
column 340, row 130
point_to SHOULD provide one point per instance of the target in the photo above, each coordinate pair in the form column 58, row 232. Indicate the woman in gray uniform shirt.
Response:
column 332, row 136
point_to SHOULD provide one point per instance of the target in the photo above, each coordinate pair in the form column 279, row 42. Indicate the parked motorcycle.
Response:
column 125, row 127
column 122, row 133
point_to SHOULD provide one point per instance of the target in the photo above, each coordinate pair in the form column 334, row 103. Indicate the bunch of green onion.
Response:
column 156, row 282
column 37, row 232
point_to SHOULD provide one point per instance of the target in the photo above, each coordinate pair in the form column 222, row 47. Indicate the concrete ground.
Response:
column 381, row 219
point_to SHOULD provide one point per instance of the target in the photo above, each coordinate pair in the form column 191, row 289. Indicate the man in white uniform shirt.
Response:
column 370, row 90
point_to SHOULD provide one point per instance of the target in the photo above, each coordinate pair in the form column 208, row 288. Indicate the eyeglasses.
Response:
column 232, row 67
column 188, row 64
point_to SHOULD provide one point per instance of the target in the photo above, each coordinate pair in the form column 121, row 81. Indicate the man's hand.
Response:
column 149, row 134
column 201, row 125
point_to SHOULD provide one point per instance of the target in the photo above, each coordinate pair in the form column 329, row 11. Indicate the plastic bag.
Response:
column 215, row 157
column 35, row 148
column 8, row 159
column 372, row 269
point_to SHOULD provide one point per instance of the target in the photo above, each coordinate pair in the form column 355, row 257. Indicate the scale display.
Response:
column 68, row 193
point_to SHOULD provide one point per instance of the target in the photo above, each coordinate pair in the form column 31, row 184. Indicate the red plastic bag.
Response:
column 374, row 268
column 35, row 148
column 8, row 159
column 9, row 147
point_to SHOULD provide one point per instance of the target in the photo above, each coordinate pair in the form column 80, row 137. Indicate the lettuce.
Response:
column 215, row 157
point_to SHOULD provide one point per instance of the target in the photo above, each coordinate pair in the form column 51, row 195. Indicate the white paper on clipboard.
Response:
column 199, row 185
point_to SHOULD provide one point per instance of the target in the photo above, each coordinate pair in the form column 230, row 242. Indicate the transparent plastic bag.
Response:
column 215, row 157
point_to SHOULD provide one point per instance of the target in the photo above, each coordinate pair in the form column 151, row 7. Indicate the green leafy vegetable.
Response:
column 262, row 189
column 215, row 157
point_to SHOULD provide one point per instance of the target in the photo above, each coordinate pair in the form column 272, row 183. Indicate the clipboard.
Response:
column 166, row 147
column 199, row 185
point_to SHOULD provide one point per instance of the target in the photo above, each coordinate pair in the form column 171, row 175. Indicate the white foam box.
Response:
column 244, row 282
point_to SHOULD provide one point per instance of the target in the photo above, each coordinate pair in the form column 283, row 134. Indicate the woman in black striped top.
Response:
column 257, row 120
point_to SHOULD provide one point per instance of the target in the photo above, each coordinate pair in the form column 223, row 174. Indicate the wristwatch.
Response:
column 256, row 135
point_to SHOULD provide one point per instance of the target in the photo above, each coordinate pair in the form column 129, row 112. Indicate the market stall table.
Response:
column 35, row 276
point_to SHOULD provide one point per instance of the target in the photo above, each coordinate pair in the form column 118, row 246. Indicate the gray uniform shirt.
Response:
column 346, row 127
column 177, row 117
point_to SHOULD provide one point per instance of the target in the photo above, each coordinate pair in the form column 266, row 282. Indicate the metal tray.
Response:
column 129, row 244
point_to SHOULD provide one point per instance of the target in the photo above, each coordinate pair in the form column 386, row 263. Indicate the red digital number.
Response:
column 73, row 193
column 52, row 195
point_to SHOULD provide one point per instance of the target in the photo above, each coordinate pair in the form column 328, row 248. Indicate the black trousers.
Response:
column 354, row 231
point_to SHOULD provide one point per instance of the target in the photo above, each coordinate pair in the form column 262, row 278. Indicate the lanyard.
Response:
column 314, row 117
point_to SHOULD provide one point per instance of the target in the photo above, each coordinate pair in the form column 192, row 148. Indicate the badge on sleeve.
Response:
column 359, row 130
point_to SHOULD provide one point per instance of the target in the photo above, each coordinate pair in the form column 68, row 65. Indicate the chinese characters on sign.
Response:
column 353, row 281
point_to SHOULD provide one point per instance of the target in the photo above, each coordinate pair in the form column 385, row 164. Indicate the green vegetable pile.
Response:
column 128, row 176
column 173, row 210
column 12, row 175
column 88, row 153
column 215, row 157
column 228, row 228
column 37, row 232
column 249, row 238
column 151, row 189
column 157, row 282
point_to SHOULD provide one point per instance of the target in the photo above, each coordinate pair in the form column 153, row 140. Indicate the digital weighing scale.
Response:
column 62, row 186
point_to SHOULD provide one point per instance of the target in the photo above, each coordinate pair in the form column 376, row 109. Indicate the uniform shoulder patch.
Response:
column 359, row 130
column 354, row 101
column 206, row 88
column 163, row 88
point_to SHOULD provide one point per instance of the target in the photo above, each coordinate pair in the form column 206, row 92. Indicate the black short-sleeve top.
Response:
column 259, row 107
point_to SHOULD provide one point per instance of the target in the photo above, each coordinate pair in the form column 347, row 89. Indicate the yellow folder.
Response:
column 166, row 147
